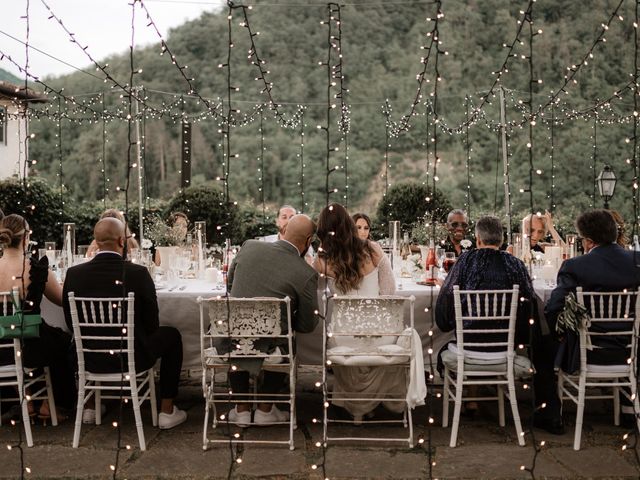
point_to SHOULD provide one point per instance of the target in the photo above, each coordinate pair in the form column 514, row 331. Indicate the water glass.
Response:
column 449, row 260
column 440, row 253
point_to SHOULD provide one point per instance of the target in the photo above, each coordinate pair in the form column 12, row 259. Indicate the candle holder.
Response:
column 68, row 243
column 200, row 232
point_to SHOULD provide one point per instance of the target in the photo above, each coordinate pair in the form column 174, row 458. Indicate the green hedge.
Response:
column 206, row 203
column 41, row 205
column 407, row 202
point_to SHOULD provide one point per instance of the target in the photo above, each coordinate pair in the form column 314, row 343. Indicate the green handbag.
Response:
column 20, row 325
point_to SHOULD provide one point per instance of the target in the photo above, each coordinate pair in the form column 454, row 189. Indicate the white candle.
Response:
column 67, row 244
column 200, row 254
column 553, row 256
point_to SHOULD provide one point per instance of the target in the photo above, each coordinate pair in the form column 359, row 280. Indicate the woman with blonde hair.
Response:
column 113, row 213
column 34, row 280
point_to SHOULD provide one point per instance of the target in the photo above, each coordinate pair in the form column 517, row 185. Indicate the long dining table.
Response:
column 178, row 307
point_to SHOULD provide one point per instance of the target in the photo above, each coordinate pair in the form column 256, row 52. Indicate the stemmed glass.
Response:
column 440, row 256
column 449, row 260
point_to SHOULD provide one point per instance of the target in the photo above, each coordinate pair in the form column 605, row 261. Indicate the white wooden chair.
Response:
column 240, row 323
column 490, row 317
column 105, row 326
column 371, row 332
column 623, row 311
column 13, row 376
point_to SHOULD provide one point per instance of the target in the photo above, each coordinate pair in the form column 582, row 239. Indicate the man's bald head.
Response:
column 299, row 231
column 110, row 234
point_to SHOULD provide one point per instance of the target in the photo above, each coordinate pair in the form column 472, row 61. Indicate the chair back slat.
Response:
column 7, row 309
column 613, row 323
column 103, row 326
column 245, row 323
column 485, row 318
column 365, row 322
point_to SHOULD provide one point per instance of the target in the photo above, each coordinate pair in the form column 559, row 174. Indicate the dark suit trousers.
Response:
column 166, row 344
column 545, row 383
column 52, row 349
column 272, row 382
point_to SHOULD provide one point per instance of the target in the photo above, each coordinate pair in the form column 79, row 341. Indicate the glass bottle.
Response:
column 431, row 263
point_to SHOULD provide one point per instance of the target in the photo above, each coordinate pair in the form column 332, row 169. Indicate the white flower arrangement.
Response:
column 146, row 243
column 415, row 261
column 465, row 244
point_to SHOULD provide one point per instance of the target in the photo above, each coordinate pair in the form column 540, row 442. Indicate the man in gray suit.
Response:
column 263, row 269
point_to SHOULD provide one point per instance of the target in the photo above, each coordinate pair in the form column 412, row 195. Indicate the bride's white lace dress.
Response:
column 370, row 381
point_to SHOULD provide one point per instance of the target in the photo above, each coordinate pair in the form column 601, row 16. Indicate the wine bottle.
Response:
column 431, row 263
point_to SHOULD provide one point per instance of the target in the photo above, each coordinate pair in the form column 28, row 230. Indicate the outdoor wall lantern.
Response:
column 606, row 182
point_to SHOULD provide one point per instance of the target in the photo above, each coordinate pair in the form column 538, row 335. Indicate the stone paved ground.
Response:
column 485, row 450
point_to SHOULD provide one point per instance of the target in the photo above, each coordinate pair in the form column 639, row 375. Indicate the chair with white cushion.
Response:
column 241, row 323
column 371, row 332
column 613, row 317
column 484, row 319
column 35, row 387
column 105, row 326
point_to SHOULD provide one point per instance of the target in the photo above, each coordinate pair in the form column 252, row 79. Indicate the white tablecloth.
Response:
column 178, row 308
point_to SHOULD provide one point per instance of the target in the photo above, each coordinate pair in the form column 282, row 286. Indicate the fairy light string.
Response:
column 594, row 159
column 467, row 194
column 127, row 89
column 103, row 158
column 551, row 125
column 259, row 63
column 386, row 111
column 300, row 155
column 262, row 172
column 164, row 48
column 636, row 109
column 537, row 448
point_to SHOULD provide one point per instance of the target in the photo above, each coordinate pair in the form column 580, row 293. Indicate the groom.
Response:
column 278, row 269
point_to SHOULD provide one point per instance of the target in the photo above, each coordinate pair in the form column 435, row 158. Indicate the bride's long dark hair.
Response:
column 341, row 248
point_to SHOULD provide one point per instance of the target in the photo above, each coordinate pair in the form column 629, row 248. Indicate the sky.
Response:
column 104, row 26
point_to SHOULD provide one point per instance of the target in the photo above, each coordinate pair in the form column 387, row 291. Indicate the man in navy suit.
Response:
column 605, row 267
column 108, row 274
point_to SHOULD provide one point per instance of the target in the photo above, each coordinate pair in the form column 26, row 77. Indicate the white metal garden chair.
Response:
column 105, row 326
column 13, row 375
column 621, row 311
column 490, row 316
column 241, row 322
column 371, row 332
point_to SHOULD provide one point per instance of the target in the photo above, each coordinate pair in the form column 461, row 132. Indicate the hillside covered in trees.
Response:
column 381, row 48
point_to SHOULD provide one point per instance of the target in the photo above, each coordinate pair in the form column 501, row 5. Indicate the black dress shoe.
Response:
column 552, row 425
column 628, row 421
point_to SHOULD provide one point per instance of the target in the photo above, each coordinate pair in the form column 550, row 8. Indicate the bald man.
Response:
column 278, row 270
column 109, row 275
column 286, row 213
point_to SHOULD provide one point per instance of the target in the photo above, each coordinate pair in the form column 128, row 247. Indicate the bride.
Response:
column 359, row 268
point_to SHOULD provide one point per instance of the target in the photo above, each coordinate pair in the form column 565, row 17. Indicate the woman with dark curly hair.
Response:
column 356, row 267
column 34, row 280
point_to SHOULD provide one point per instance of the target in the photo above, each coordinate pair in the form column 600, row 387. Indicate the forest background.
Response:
column 381, row 48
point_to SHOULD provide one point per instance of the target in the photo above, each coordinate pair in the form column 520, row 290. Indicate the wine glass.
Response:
column 440, row 254
column 449, row 260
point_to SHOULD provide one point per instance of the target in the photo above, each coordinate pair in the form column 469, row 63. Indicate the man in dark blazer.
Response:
column 109, row 275
column 605, row 267
column 278, row 269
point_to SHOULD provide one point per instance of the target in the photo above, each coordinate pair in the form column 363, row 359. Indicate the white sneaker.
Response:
column 268, row 418
column 89, row 414
column 241, row 419
column 173, row 419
